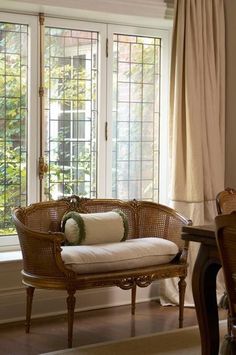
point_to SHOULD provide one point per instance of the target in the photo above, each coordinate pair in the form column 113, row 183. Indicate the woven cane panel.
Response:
column 45, row 216
column 228, row 204
column 38, row 255
column 174, row 231
column 226, row 201
column 154, row 221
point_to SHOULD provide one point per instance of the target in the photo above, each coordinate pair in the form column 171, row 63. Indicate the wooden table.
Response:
column 205, row 271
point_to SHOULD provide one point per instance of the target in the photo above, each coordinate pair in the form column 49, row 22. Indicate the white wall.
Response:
column 149, row 8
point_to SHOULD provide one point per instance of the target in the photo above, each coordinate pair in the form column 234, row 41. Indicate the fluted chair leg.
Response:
column 133, row 299
column 182, row 288
column 29, row 301
column 70, row 312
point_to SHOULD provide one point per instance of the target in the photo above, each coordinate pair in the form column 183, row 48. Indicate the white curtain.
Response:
column 197, row 119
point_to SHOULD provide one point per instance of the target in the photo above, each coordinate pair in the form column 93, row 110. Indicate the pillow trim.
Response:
column 125, row 223
column 80, row 222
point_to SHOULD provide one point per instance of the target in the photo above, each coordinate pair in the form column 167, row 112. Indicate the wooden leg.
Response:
column 133, row 299
column 29, row 300
column 182, row 288
column 70, row 312
column 205, row 271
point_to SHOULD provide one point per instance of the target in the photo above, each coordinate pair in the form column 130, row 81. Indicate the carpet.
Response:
column 185, row 341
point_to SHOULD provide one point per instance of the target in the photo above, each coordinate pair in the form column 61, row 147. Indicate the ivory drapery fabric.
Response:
column 197, row 118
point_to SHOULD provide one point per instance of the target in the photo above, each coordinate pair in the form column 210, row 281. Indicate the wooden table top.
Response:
column 200, row 234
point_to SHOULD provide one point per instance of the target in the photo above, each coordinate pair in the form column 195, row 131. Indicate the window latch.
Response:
column 106, row 131
column 107, row 47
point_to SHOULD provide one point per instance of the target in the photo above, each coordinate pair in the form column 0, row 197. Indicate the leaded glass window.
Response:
column 13, row 120
column 71, row 75
column 92, row 113
column 136, row 108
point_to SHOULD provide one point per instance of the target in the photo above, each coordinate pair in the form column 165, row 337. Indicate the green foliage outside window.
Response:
column 13, row 121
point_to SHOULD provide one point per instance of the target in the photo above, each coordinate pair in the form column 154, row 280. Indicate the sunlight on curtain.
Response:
column 197, row 119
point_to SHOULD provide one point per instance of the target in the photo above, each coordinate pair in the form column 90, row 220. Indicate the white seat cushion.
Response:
column 131, row 254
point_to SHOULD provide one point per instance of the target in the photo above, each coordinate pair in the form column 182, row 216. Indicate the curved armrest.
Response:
column 41, row 251
column 184, row 253
column 157, row 220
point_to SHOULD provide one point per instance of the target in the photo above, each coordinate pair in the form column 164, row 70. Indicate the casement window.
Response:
column 97, row 125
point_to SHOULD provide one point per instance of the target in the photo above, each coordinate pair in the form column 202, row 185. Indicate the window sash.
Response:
column 99, row 180
column 31, row 133
column 163, row 119
column 104, row 177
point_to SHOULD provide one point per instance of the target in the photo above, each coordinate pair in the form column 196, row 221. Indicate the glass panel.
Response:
column 148, row 73
column 134, row 188
column 123, row 72
column 122, row 150
column 135, row 131
column 122, row 131
column 123, row 111
column 136, row 75
column 123, row 92
column 122, row 189
column 135, row 112
column 135, row 170
column 136, row 92
column 147, row 170
column 147, row 131
column 148, row 93
column 136, row 53
column 135, row 151
column 123, row 52
column 71, row 110
column 13, row 121
column 147, row 189
column 122, row 170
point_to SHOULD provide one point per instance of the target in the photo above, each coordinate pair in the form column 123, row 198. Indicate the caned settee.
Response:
column 153, row 250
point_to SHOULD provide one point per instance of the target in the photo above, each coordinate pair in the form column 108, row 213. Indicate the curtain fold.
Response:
column 197, row 118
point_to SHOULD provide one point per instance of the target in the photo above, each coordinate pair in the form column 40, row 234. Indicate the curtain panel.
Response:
column 197, row 118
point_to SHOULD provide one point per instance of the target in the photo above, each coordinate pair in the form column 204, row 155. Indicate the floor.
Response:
column 92, row 327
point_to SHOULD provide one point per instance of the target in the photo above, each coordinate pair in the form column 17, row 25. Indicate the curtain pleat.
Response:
column 197, row 118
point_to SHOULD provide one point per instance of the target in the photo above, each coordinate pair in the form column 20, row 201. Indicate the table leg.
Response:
column 204, row 292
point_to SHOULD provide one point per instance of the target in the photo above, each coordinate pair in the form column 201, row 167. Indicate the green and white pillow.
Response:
column 95, row 228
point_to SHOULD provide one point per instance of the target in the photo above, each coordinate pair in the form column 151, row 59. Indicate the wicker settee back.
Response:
column 145, row 219
column 43, row 216
column 156, row 220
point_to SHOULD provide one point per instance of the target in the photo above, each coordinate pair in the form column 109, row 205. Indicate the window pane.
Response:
column 13, row 121
column 136, row 68
column 71, row 112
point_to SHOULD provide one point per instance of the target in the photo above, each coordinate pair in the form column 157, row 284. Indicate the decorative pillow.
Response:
column 95, row 228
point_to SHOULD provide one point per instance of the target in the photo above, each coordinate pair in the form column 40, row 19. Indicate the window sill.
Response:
column 6, row 256
column 9, row 243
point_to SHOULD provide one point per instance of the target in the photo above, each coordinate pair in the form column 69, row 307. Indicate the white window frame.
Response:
column 104, row 162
